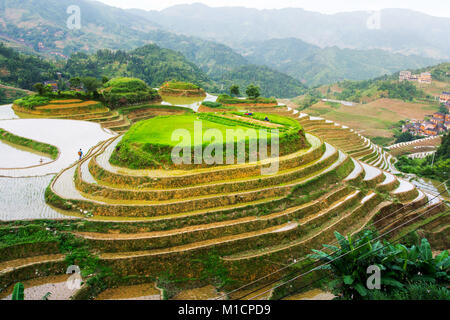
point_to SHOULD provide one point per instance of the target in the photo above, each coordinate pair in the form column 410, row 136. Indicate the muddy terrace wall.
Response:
column 61, row 111
column 321, row 182
column 33, row 271
column 209, row 176
column 225, row 187
column 184, row 263
column 192, row 205
column 176, row 239
column 136, row 156
column 26, row 250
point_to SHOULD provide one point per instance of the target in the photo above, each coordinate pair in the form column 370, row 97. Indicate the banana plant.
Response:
column 18, row 292
column 399, row 265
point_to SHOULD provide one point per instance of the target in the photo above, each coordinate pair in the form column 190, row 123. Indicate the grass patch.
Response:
column 226, row 99
column 41, row 147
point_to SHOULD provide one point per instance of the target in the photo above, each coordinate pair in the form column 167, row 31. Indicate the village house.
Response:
column 424, row 77
column 438, row 117
column 404, row 75
column 439, row 123
column 445, row 97
column 447, row 125
column 52, row 84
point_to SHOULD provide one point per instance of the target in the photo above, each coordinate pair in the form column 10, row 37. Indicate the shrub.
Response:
column 210, row 104
column 178, row 85
column 30, row 102
column 226, row 99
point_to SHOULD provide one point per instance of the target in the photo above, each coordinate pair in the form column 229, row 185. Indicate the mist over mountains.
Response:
column 399, row 30
column 237, row 44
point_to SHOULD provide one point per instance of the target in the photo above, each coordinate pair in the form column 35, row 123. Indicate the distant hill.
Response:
column 150, row 63
column 400, row 30
column 272, row 83
column 316, row 66
column 41, row 27
column 22, row 70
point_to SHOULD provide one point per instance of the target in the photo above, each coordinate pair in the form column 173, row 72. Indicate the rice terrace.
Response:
column 141, row 176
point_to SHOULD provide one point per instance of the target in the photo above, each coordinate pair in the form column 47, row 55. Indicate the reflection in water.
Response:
column 187, row 102
column 16, row 157
column 23, row 198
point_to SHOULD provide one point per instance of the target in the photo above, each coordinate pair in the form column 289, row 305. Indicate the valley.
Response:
column 222, row 153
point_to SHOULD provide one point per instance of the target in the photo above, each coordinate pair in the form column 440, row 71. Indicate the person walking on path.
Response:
column 80, row 154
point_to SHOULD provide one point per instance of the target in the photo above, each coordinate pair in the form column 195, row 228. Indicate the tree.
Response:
column 405, row 137
column 443, row 109
column 253, row 91
column 2, row 96
column 40, row 88
column 75, row 82
column 234, row 90
column 105, row 79
column 90, row 84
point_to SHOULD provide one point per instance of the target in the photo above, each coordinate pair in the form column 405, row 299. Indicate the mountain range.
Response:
column 225, row 43
column 395, row 30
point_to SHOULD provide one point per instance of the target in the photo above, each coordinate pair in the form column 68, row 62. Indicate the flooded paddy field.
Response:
column 24, row 174
column 68, row 136
column 36, row 289
column 187, row 102
column 13, row 156
column 6, row 112
column 23, row 199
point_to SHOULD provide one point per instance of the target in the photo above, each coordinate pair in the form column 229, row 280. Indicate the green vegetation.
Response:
column 253, row 92
column 159, row 130
column 234, row 90
column 359, row 91
column 31, row 233
column 434, row 167
column 272, row 83
column 400, row 266
column 30, row 102
column 178, row 88
column 308, row 99
column 273, row 118
column 23, row 71
column 405, row 90
column 414, row 291
column 150, row 63
column 18, row 292
column 317, row 66
column 382, row 141
column 47, row 149
column 127, row 91
column 9, row 94
column 149, row 144
column 213, row 270
column 127, row 110
column 406, row 136
column 214, row 105
column 226, row 99
column 179, row 85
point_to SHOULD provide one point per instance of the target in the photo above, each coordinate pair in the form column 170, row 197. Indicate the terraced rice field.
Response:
column 252, row 222
column 373, row 119
column 428, row 144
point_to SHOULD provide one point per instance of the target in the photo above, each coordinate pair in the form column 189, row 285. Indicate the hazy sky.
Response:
column 433, row 7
